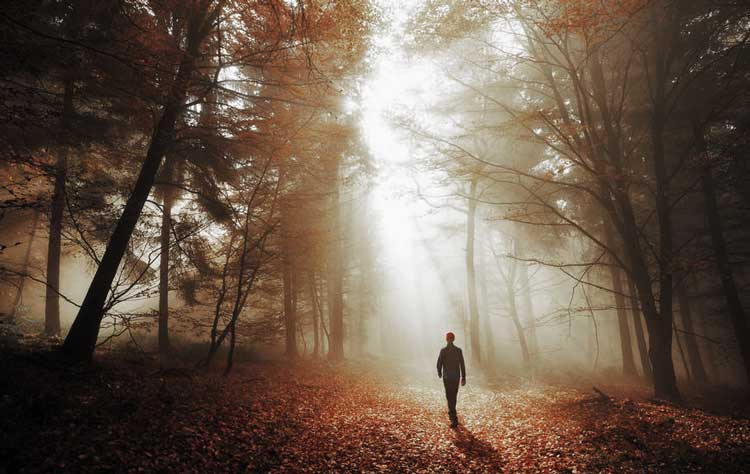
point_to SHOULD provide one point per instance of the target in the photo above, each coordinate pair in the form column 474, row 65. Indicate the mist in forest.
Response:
column 563, row 185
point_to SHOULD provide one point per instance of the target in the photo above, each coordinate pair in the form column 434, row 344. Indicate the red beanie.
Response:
column 450, row 337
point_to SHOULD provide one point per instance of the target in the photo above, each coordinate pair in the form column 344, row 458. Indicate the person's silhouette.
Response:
column 451, row 367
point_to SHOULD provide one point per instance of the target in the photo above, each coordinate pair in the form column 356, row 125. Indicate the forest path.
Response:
column 387, row 419
column 307, row 417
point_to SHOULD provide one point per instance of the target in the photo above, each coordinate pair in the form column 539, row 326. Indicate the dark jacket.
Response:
column 450, row 363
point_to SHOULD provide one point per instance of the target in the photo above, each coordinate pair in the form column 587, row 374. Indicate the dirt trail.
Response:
column 313, row 418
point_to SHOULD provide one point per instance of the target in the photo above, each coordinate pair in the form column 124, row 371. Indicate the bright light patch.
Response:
column 396, row 217
column 397, row 83
column 397, row 86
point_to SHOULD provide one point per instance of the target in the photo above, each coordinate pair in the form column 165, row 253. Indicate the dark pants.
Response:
column 451, row 392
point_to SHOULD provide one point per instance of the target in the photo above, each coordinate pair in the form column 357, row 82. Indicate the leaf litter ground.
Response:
column 271, row 417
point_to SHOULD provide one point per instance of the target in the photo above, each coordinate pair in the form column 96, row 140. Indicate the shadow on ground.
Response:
column 476, row 448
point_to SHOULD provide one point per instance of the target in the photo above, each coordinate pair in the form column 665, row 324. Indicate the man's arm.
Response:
column 440, row 364
column 463, row 367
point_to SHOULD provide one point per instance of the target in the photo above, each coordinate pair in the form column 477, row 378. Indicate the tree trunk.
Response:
column 709, row 349
column 658, row 323
column 729, row 287
column 663, row 371
column 513, row 309
column 165, row 242
column 660, row 354
column 364, row 309
column 626, row 345
column 325, row 342
column 322, row 309
column 693, row 352
column 315, row 313
column 658, row 319
column 245, row 279
column 81, row 340
column 54, row 244
column 302, row 337
column 681, row 351
column 336, row 275
column 232, row 345
column 489, row 340
column 471, row 278
column 639, row 333
column 290, row 310
column 659, row 326
column 525, row 284
column 24, row 270
column 614, row 148
column 336, row 312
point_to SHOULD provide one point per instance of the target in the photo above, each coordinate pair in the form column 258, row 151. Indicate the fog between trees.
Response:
column 562, row 184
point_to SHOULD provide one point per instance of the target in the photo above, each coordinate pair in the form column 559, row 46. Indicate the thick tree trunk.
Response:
column 660, row 353
column 663, row 372
column 658, row 323
column 471, row 277
column 626, row 345
column 659, row 326
column 54, row 244
column 658, row 319
column 729, row 287
column 693, row 352
column 639, row 333
column 81, row 340
column 165, row 242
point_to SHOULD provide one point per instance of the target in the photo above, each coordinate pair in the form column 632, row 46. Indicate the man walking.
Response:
column 450, row 366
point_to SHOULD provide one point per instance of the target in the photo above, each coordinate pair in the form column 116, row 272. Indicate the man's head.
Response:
column 450, row 337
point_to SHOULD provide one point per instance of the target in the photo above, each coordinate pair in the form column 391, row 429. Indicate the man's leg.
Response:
column 451, row 392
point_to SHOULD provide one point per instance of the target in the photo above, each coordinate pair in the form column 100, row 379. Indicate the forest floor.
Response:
column 121, row 415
